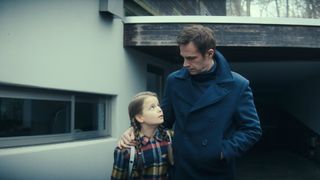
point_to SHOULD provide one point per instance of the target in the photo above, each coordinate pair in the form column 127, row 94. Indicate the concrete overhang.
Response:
column 265, row 38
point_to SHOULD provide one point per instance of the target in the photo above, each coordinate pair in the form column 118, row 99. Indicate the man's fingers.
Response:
column 119, row 145
column 122, row 145
column 127, row 139
column 132, row 135
column 129, row 134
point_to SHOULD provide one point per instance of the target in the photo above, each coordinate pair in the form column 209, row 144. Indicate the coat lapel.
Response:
column 183, row 91
column 212, row 95
column 219, row 89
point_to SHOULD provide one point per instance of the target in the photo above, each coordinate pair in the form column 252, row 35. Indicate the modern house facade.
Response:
column 68, row 69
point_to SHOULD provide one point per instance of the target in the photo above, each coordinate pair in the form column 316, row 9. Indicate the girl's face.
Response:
column 151, row 112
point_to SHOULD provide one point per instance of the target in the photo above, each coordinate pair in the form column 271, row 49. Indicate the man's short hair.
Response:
column 202, row 37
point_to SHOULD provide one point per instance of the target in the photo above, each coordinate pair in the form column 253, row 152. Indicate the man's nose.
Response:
column 185, row 63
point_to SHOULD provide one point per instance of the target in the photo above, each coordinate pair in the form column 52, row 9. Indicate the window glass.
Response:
column 89, row 115
column 25, row 117
column 252, row 8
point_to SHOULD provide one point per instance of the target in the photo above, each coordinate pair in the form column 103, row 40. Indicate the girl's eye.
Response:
column 154, row 106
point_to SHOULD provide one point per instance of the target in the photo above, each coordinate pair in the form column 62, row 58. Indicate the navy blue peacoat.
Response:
column 223, row 120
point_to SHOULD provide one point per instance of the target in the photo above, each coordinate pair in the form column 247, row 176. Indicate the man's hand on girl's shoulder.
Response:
column 127, row 139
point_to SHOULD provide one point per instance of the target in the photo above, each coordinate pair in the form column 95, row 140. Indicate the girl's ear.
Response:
column 139, row 118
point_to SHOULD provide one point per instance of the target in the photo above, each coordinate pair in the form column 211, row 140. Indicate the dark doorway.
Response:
column 289, row 147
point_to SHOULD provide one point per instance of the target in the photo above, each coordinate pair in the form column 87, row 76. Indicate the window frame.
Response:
column 34, row 93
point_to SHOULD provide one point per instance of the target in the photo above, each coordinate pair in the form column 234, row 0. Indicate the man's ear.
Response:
column 211, row 52
column 139, row 118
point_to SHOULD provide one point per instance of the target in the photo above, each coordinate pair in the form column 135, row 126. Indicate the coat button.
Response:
column 204, row 142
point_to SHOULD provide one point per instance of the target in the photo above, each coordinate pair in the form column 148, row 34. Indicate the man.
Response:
column 211, row 108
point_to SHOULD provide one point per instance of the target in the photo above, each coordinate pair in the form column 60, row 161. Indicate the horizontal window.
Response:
column 253, row 8
column 31, row 116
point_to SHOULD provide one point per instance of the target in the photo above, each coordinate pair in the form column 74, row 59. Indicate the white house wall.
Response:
column 67, row 45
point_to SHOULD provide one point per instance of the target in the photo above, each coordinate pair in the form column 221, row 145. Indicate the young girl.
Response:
column 153, row 154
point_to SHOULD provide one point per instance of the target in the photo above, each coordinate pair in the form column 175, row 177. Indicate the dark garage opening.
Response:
column 285, row 89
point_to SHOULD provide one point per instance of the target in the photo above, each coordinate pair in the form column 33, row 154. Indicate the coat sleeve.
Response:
column 166, row 105
column 120, row 164
column 247, row 124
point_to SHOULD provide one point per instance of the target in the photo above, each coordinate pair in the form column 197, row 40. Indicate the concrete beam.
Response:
column 228, row 35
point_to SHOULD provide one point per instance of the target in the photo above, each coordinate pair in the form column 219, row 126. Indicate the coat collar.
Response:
column 215, row 92
column 223, row 72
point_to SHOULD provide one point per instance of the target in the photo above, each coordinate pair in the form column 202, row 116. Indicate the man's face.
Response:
column 193, row 60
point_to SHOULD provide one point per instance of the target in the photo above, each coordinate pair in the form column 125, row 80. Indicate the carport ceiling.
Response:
column 277, row 77
column 239, row 54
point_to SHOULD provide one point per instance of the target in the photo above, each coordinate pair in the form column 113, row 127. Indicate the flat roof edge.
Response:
column 220, row 20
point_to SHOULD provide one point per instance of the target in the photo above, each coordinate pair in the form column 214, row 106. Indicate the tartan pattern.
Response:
column 154, row 157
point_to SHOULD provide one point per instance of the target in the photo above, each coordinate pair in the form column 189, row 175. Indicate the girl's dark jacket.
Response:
column 223, row 120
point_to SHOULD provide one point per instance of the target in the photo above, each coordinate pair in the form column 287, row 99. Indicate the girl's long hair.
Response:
column 136, row 107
